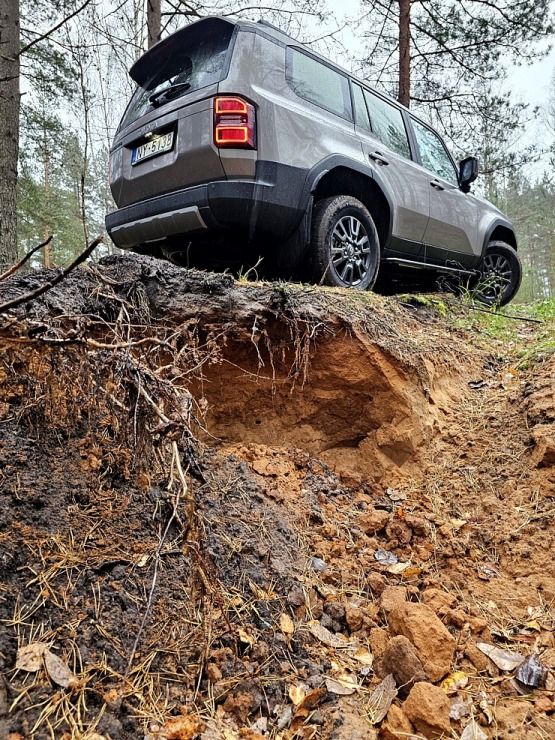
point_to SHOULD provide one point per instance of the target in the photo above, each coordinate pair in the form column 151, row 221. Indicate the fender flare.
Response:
column 505, row 223
column 336, row 161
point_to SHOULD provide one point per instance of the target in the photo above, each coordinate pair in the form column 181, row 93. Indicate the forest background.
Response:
column 64, row 86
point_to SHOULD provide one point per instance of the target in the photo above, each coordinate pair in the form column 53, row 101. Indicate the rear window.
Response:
column 187, row 63
column 318, row 83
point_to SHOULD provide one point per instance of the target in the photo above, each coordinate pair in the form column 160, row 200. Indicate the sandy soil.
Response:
column 232, row 511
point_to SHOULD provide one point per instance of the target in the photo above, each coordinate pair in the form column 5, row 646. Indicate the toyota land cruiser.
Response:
column 240, row 141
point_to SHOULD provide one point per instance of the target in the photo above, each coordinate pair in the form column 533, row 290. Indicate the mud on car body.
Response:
column 239, row 142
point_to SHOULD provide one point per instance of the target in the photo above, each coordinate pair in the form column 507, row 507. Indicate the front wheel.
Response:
column 345, row 247
column 501, row 275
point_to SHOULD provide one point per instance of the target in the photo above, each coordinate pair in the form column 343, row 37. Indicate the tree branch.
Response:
column 54, row 29
column 58, row 279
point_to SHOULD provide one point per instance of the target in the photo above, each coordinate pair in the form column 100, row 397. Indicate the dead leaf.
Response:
column 297, row 693
column 286, row 624
column 343, row 685
column 473, row 731
column 59, row 672
column 29, row 657
column 381, row 699
column 328, row 638
column 531, row 673
column 503, row 659
column 312, row 699
column 486, row 708
column 385, row 557
column 398, row 568
column 454, row 682
column 245, row 637
column 364, row 657
column 306, row 706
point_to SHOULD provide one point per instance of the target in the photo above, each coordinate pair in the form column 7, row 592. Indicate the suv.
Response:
column 239, row 142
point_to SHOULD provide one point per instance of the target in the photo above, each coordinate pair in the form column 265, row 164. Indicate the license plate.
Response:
column 153, row 147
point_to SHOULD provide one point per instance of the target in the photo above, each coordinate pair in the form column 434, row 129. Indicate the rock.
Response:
column 373, row 521
column 391, row 597
column 543, row 455
column 427, row 707
column 396, row 725
column 543, row 704
column 421, row 625
column 354, row 617
column 377, row 583
column 512, row 716
column 348, row 722
column 398, row 530
column 480, row 661
column 213, row 673
column 438, row 600
column 335, row 610
column 418, row 524
column 378, row 639
column 401, row 659
column 295, row 597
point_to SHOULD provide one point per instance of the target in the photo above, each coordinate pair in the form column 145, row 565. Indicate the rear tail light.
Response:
column 234, row 123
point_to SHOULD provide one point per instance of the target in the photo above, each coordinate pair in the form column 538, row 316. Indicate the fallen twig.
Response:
column 15, row 268
column 58, row 279
column 505, row 315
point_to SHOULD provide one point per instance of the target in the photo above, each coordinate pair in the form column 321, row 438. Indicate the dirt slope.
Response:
column 232, row 510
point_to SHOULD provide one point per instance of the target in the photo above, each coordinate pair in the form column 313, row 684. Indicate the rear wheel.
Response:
column 501, row 275
column 345, row 247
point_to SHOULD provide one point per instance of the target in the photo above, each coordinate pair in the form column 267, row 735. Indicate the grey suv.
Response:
column 239, row 142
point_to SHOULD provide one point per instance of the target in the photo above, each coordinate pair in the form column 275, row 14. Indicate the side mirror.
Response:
column 468, row 172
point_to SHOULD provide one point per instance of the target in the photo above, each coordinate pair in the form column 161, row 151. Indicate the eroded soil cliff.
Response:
column 232, row 510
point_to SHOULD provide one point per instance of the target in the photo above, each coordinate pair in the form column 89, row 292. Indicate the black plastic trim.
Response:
column 272, row 206
column 335, row 161
column 491, row 228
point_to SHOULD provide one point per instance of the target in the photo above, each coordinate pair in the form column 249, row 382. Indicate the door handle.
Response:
column 437, row 185
column 378, row 157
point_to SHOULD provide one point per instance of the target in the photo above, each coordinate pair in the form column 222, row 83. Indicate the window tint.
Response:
column 318, row 83
column 387, row 123
column 188, row 66
column 361, row 112
column 433, row 153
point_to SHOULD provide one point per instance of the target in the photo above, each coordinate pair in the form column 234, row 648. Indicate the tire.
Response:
column 501, row 275
column 345, row 248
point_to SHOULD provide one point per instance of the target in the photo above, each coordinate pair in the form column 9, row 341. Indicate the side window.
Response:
column 433, row 153
column 387, row 123
column 318, row 83
column 361, row 111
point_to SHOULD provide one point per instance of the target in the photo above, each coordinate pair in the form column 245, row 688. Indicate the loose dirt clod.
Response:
column 222, row 504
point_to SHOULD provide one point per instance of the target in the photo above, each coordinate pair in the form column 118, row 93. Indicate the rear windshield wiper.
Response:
column 157, row 98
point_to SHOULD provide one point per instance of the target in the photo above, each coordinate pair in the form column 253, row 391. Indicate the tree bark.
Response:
column 404, row 52
column 9, row 129
column 153, row 21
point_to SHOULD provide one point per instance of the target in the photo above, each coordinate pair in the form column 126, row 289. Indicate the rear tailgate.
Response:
column 165, row 140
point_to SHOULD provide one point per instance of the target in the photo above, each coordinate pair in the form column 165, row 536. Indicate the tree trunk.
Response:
column 404, row 52
column 153, row 21
column 9, row 129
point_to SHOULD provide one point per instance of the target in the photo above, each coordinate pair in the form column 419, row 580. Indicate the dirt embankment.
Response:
column 234, row 511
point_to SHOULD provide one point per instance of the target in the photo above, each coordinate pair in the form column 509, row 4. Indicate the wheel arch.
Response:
column 343, row 179
column 500, row 231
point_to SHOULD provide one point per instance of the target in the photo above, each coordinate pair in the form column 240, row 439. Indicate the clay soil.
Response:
column 230, row 510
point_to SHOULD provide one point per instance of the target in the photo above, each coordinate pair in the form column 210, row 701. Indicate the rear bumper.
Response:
column 271, row 206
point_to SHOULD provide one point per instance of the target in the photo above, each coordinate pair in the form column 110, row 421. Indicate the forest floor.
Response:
column 245, row 510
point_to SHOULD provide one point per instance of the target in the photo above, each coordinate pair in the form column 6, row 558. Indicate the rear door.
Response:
column 452, row 231
column 386, row 147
